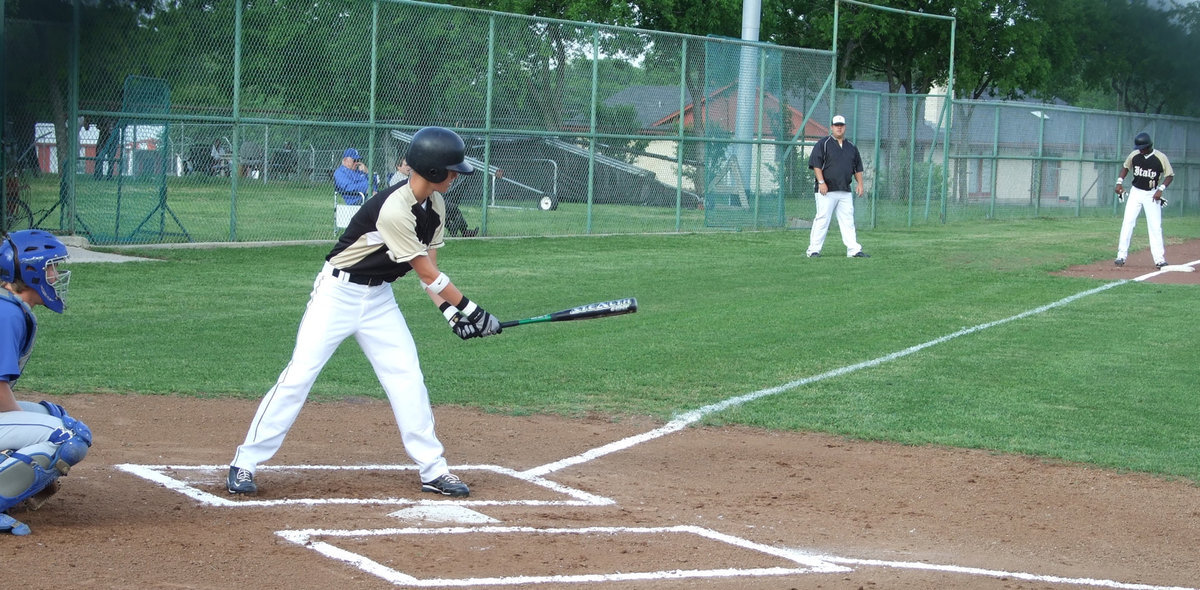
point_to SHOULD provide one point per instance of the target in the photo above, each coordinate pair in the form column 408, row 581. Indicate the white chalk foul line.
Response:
column 688, row 418
column 806, row 563
column 974, row 571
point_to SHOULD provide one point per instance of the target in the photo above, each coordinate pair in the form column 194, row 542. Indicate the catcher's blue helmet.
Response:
column 434, row 150
column 26, row 255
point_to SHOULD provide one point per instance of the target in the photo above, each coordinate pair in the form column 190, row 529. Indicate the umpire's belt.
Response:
column 346, row 277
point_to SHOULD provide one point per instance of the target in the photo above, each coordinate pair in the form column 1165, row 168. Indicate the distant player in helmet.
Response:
column 398, row 230
column 1152, row 174
column 38, row 442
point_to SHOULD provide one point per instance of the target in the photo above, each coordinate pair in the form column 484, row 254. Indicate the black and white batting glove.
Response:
column 461, row 327
column 464, row 329
column 486, row 323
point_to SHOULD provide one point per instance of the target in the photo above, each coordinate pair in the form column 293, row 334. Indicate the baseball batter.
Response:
column 396, row 231
column 38, row 442
column 1152, row 174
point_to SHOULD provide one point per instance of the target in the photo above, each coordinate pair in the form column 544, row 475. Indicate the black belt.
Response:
column 358, row 279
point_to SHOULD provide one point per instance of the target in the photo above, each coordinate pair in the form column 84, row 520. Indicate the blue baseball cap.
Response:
column 351, row 153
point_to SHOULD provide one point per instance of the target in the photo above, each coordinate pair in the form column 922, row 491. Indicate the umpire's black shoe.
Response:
column 447, row 485
column 240, row 481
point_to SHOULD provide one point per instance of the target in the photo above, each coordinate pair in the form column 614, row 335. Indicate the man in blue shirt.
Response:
column 39, row 442
column 350, row 179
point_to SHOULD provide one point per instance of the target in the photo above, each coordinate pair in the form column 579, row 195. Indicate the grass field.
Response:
column 1108, row 379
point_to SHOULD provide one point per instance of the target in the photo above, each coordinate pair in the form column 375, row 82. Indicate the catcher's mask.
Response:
column 32, row 256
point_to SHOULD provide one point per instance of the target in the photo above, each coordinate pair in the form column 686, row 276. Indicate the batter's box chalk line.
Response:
column 796, row 562
column 160, row 474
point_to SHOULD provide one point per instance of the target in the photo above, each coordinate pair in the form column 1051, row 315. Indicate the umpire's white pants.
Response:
column 1136, row 201
column 335, row 311
column 841, row 202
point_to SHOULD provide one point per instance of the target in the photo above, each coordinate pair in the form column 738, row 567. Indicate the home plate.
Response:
column 1178, row 268
column 443, row 513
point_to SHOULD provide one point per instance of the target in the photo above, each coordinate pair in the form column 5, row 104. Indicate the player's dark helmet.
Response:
column 1142, row 141
column 434, row 151
column 25, row 255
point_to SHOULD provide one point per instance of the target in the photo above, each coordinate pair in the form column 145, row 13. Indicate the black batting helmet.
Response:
column 434, row 151
column 1142, row 141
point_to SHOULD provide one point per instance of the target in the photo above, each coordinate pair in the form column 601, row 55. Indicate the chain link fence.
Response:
column 1005, row 159
column 226, row 121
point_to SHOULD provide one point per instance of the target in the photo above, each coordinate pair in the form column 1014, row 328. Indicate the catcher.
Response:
column 38, row 442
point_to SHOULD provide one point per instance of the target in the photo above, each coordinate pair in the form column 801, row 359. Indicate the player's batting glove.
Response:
column 484, row 321
column 461, row 327
column 464, row 329
column 1161, row 202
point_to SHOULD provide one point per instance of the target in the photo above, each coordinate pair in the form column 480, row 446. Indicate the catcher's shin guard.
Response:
column 28, row 471
column 25, row 474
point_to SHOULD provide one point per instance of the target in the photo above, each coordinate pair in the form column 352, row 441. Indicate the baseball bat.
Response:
column 600, row 309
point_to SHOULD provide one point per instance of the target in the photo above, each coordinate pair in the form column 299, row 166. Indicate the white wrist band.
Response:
column 1120, row 180
column 438, row 284
column 469, row 308
column 450, row 313
column 1162, row 187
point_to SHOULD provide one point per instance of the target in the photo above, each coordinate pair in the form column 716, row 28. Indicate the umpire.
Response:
column 834, row 160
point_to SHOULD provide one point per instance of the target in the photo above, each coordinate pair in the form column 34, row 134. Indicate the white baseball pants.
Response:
column 1136, row 201
column 841, row 202
column 336, row 310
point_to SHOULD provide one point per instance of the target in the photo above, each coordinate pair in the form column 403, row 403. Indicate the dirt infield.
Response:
column 1140, row 263
column 749, row 508
column 109, row 528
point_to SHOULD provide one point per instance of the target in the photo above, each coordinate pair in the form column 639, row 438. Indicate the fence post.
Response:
column 877, row 175
column 237, row 117
column 69, row 166
column 371, row 108
column 1079, row 172
column 995, row 160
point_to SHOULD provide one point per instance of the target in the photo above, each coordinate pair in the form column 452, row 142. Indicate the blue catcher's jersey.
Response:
column 18, row 329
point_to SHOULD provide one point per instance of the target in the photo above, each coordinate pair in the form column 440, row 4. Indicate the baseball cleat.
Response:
column 814, row 254
column 1160, row 264
column 1119, row 262
column 447, row 485
column 12, row 525
column 240, row 481
column 861, row 254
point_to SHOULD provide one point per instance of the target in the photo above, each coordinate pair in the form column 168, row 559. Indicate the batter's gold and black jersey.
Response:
column 388, row 231
column 1148, row 170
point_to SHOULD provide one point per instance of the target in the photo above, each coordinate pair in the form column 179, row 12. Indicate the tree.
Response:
column 718, row 17
column 37, row 42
